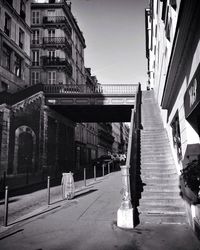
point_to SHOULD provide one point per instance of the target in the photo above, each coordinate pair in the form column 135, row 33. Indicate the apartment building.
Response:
column 15, row 36
column 57, row 44
column 172, row 50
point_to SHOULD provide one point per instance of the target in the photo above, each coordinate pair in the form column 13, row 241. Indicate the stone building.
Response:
column 57, row 44
column 15, row 35
column 173, row 49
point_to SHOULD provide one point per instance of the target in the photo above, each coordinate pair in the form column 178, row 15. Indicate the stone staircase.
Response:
column 160, row 200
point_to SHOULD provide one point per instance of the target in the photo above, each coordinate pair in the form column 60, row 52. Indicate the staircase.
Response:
column 160, row 200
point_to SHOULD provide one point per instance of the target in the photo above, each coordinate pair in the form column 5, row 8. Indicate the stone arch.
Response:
column 25, row 150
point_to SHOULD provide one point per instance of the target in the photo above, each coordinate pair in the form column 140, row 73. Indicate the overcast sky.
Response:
column 114, row 31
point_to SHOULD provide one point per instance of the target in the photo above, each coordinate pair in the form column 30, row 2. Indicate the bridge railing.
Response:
column 115, row 89
column 84, row 89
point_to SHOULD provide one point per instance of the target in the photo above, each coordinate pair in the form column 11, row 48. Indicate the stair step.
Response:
column 157, row 157
column 161, row 209
column 161, row 162
column 161, row 182
column 164, row 188
column 161, row 202
column 162, row 176
column 161, row 171
column 163, row 219
column 160, row 195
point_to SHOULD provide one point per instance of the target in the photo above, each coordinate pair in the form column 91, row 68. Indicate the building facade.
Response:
column 173, row 49
column 15, row 36
column 57, row 44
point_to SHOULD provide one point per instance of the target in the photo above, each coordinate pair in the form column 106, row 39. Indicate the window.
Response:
column 6, row 57
column 35, row 77
column 7, row 25
column 35, row 17
column 21, row 38
column 35, row 36
column 35, row 60
column 4, row 86
column 52, row 54
column 51, row 33
column 23, row 9
column 18, row 65
column 51, row 77
column 50, row 16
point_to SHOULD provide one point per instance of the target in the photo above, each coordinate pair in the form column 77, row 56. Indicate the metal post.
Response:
column 4, row 180
column 5, row 221
column 48, row 190
column 108, row 167
column 95, row 173
column 103, row 169
column 85, row 177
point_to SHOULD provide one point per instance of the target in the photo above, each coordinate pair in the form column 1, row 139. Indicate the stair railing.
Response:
column 125, row 214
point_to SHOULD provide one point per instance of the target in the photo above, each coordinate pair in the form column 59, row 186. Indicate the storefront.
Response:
column 192, row 102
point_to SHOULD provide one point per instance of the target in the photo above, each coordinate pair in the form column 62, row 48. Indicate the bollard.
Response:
column 48, row 190
column 95, row 173
column 108, row 167
column 5, row 221
column 85, row 177
column 125, row 212
column 103, row 169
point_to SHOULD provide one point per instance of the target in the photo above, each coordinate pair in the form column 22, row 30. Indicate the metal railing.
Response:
column 58, row 41
column 56, row 20
column 116, row 89
column 129, row 89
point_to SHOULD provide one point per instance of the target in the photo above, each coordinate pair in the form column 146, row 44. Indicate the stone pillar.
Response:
column 4, row 143
column 125, row 212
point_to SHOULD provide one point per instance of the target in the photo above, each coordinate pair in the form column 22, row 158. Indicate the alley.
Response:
column 89, row 222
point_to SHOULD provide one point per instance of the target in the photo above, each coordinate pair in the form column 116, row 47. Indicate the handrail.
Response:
column 67, row 89
column 134, row 125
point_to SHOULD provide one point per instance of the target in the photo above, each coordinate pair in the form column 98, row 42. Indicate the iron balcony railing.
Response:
column 57, row 62
column 58, row 41
column 58, row 20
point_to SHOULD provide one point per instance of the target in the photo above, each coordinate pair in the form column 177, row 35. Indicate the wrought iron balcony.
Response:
column 58, row 20
column 35, row 41
column 58, row 42
column 57, row 62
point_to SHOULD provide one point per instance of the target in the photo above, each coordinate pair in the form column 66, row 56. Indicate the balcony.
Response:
column 58, row 21
column 35, row 42
column 58, row 42
column 58, row 63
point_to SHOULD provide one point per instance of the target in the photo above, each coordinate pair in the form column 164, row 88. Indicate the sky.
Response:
column 114, row 31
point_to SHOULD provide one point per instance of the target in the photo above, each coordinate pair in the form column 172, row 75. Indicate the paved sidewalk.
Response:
column 88, row 222
column 26, row 204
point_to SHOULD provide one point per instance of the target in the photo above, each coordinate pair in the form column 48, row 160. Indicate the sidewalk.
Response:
column 88, row 222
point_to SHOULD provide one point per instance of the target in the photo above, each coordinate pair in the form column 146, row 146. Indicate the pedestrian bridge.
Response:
column 80, row 103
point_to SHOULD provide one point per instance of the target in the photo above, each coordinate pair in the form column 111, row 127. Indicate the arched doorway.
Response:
column 25, row 153
column 25, row 150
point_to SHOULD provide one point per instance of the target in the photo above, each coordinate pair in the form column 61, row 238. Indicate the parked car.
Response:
column 116, row 158
column 101, row 160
